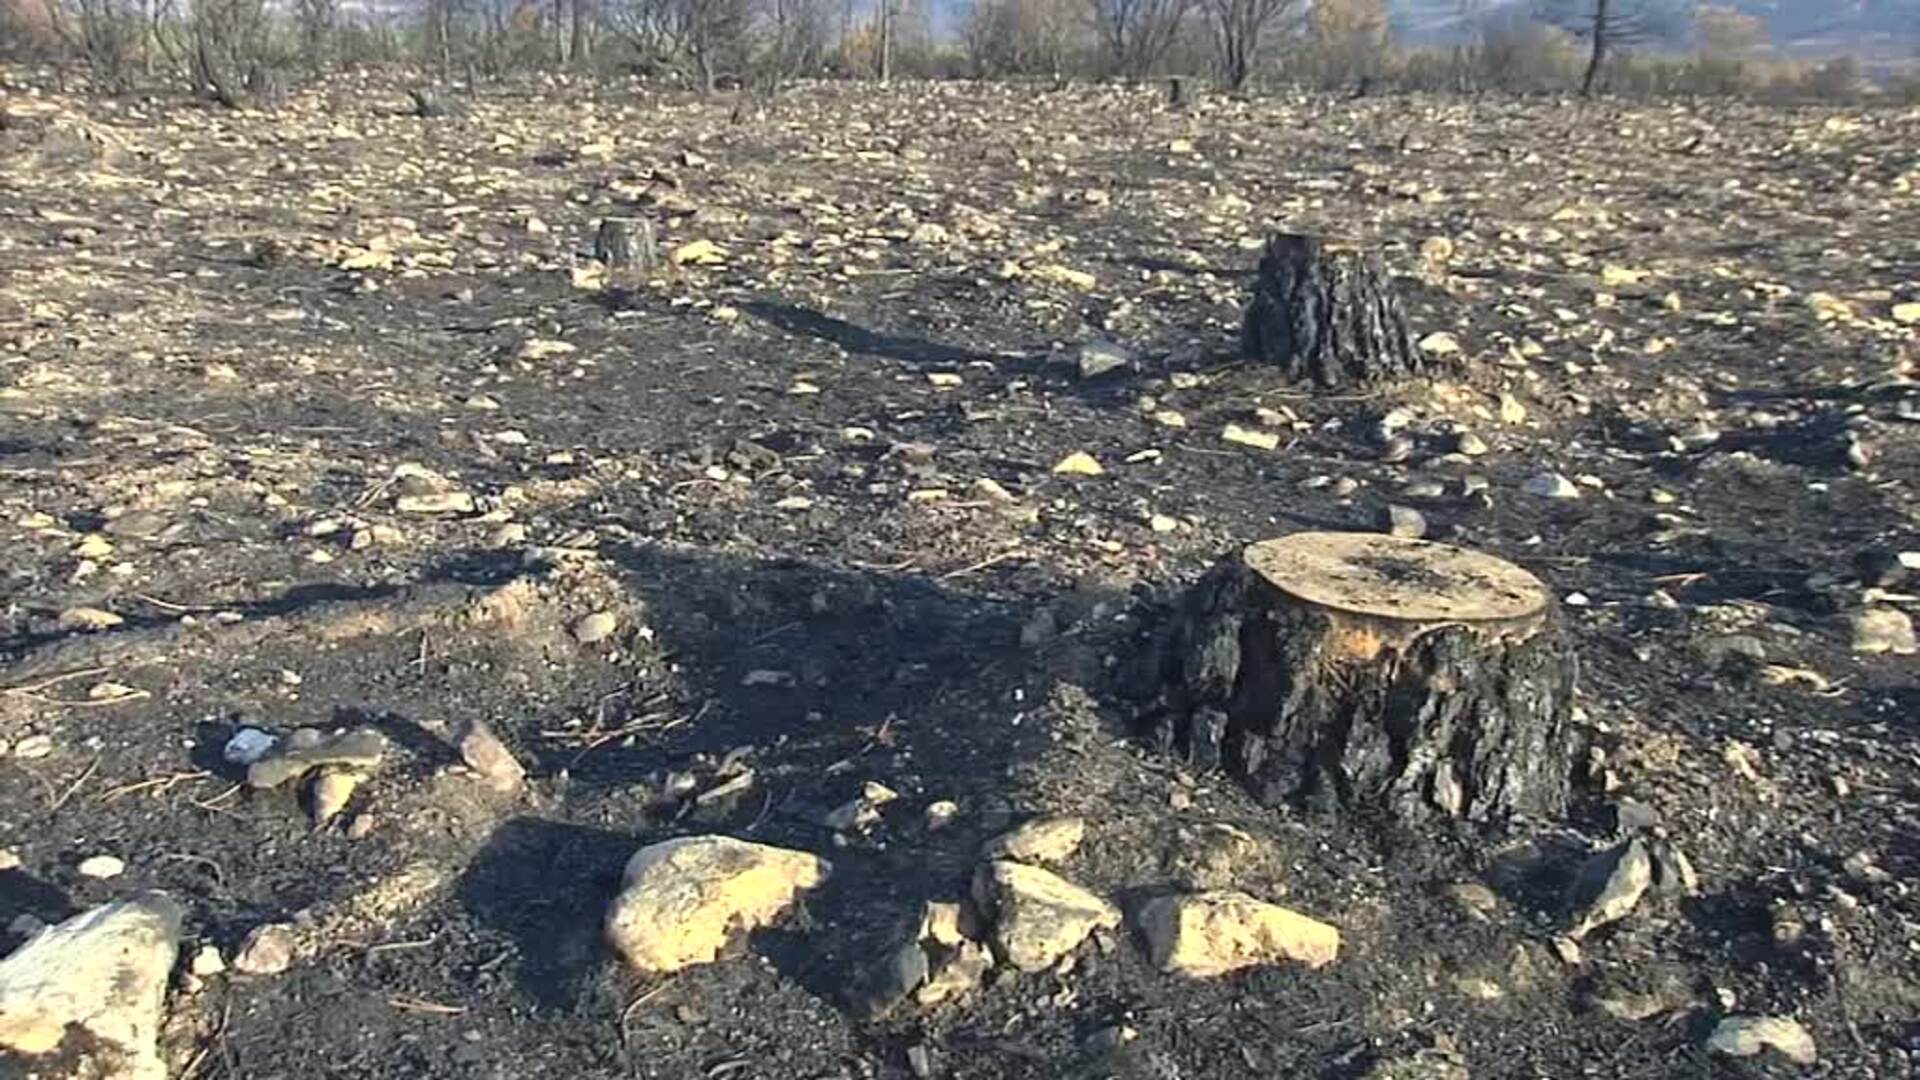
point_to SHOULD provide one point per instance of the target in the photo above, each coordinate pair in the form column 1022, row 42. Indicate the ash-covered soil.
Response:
column 325, row 416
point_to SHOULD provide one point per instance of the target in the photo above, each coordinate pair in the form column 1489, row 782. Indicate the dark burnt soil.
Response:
column 230, row 343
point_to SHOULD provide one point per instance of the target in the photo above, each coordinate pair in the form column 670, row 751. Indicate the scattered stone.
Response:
column 1439, row 343
column 956, row 972
column 919, row 1062
column 1042, row 840
column 332, row 789
column 1429, row 1064
column 137, row 525
column 941, row 813
column 901, row 972
column 1466, row 442
column 1551, row 485
column 1907, row 314
column 683, row 899
column 1673, row 873
column 1474, row 898
column 33, row 747
column 91, row 990
column 306, row 750
column 1748, row 1036
column 485, row 754
column 1878, row 630
column 1609, row 886
column 247, row 746
column 207, row 961
column 9, row 860
column 1396, row 449
column 102, row 867
column 1099, row 358
column 1631, row 815
column 436, row 502
column 1201, row 935
column 1403, row 521
column 596, row 628
column 1038, row 917
column 1244, row 436
column 1078, row 463
column 88, row 620
column 266, row 950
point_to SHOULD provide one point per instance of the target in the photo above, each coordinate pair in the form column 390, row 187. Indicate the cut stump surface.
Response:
column 1373, row 673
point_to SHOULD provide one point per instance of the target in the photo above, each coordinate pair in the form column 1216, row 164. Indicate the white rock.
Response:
column 1883, row 630
column 1746, row 1036
column 102, row 867
column 94, row 987
column 247, row 746
column 683, row 899
column 596, row 627
column 1551, row 485
column 266, row 950
column 207, row 961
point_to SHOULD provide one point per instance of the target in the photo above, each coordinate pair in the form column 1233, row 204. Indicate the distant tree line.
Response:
column 234, row 51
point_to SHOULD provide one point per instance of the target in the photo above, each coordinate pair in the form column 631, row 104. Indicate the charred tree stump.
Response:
column 626, row 244
column 1327, row 316
column 1397, row 678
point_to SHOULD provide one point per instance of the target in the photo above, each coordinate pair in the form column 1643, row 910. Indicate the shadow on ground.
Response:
column 819, row 680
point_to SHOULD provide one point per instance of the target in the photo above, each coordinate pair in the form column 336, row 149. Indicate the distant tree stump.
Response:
column 428, row 104
column 1177, row 91
column 1395, row 677
column 626, row 244
column 1328, row 316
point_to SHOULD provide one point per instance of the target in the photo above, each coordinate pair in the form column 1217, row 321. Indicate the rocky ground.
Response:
column 831, row 533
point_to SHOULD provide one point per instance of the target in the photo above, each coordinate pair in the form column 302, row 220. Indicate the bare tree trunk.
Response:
column 582, row 42
column 885, row 61
column 1602, row 34
column 560, row 32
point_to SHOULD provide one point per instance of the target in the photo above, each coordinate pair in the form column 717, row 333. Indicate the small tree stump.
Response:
column 1390, row 676
column 626, row 244
column 1327, row 316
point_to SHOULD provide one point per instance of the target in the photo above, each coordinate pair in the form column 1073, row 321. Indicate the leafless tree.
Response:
column 1239, row 28
column 1611, row 25
column 1135, row 34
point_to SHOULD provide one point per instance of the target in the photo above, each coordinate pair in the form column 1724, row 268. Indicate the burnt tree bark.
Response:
column 1399, row 679
column 626, row 244
column 1327, row 316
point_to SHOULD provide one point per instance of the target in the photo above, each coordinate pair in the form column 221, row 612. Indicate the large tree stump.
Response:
column 1327, row 316
column 1395, row 677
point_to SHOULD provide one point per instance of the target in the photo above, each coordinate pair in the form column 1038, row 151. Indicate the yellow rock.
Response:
column 1078, row 463
column 1907, row 314
column 699, row 253
column 1038, row 917
column 1201, row 935
column 1614, row 277
column 89, row 618
column 1044, row 839
column 1829, row 308
column 368, row 260
column 1243, row 436
column 1064, row 275
column 684, row 898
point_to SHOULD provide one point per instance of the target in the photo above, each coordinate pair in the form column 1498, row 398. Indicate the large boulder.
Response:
column 84, row 998
column 684, row 899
